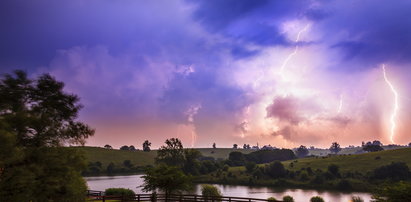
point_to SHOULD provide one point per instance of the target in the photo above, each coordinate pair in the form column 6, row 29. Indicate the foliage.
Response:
column 400, row 192
column 394, row 171
column 334, row 170
column 356, row 199
column 36, row 118
column 146, row 146
column 271, row 199
column 288, row 199
column 125, row 147
column 119, row 192
column 172, row 153
column 191, row 163
column 107, row 146
column 335, row 148
column 344, row 185
column 302, row 151
column 132, row 148
column 168, row 179
column 372, row 148
column 235, row 146
column 250, row 166
column 267, row 156
column 210, row 191
column 316, row 199
column 275, row 170
column 236, row 159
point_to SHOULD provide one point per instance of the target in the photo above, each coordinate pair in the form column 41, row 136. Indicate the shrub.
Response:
column 356, row 199
column 394, row 171
column 210, row 191
column 250, row 166
column 272, row 199
column 393, row 192
column 344, row 185
column 288, row 199
column 316, row 199
column 275, row 169
column 334, row 169
column 119, row 192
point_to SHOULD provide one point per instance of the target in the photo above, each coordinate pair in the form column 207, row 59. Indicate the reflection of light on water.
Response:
column 134, row 182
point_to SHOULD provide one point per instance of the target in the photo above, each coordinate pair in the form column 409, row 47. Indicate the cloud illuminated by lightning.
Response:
column 290, row 56
column 340, row 104
column 395, row 107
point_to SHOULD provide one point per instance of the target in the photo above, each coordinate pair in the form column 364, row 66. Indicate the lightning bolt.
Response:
column 395, row 107
column 340, row 105
column 291, row 55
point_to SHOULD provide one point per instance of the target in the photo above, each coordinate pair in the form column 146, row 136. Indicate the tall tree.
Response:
column 146, row 146
column 335, row 148
column 302, row 151
column 172, row 153
column 36, row 118
column 167, row 179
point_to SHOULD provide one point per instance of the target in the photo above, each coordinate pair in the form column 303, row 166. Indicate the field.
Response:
column 362, row 163
column 141, row 158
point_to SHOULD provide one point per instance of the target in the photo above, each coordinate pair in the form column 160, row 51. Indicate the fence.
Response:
column 100, row 196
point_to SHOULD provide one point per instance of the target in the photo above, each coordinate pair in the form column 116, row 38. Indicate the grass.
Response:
column 141, row 158
column 361, row 163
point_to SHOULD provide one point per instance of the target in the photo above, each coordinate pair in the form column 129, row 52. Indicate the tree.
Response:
column 191, row 162
column 131, row 148
column 146, row 146
column 168, row 179
column 214, row 146
column 302, row 151
column 108, row 146
column 36, row 118
column 245, row 146
column 400, row 191
column 125, row 147
column 235, row 146
column 372, row 148
column 210, row 192
column 409, row 145
column 393, row 171
column 275, row 169
column 172, row 153
column 127, row 164
column 236, row 158
column 335, row 148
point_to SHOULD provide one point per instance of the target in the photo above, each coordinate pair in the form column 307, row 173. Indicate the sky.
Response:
column 284, row 73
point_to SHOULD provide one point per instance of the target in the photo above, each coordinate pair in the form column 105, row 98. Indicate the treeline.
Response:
column 259, row 157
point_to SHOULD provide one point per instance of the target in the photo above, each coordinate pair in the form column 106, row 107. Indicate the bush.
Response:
column 119, row 192
column 334, row 169
column 250, row 166
column 210, row 191
column 393, row 192
column 272, row 199
column 275, row 169
column 316, row 199
column 344, row 185
column 288, row 199
column 394, row 171
column 356, row 199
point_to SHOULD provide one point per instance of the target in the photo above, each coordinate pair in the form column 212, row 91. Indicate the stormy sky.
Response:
column 283, row 73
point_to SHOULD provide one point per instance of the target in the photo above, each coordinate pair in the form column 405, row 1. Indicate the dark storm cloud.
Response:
column 369, row 32
column 254, row 22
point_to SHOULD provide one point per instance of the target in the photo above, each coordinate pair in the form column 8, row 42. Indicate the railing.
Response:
column 100, row 196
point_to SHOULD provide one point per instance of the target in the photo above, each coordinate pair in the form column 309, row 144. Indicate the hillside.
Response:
column 140, row 158
column 359, row 162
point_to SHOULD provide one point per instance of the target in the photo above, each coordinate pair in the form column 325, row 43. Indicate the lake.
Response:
column 300, row 195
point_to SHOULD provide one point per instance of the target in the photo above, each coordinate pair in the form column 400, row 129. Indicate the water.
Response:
column 300, row 195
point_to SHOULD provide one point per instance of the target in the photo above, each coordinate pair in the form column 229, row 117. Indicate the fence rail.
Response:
column 100, row 196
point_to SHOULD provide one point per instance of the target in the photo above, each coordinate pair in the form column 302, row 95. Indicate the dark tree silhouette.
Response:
column 131, row 148
column 172, row 153
column 335, row 148
column 125, row 147
column 372, row 148
column 36, row 118
column 302, row 151
column 235, row 146
column 146, row 146
column 108, row 146
column 214, row 146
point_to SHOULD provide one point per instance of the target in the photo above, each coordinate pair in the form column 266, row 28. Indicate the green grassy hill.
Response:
column 141, row 158
column 359, row 162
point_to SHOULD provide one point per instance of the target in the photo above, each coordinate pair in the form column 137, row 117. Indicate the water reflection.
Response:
column 300, row 195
